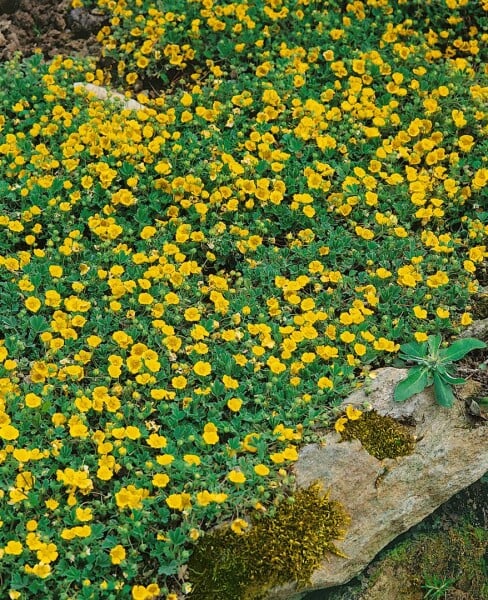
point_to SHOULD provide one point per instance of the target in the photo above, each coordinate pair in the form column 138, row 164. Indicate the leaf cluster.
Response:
column 433, row 365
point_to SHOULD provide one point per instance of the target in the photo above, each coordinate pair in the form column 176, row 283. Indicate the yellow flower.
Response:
column 192, row 459
column 32, row 400
column 171, row 298
column 364, row 233
column 352, row 413
column 234, row 404
column 275, row 365
column 160, row 480
column 204, row 498
column 13, row 547
column 55, row 271
column 192, row 314
column 179, row 383
column 165, row 459
column 117, row 554
column 229, row 382
column 47, row 553
column 277, row 457
column 32, row 303
column 93, row 341
column 31, row 525
column 386, row 345
column 419, row 312
column 458, row 118
column 238, row 526
column 325, row 382
column 400, row 232
column 148, row 232
column 156, row 441
column 347, row 337
column 133, row 433
column 124, row 197
column 478, row 253
column 40, row 570
column 437, row 280
column 186, row 116
column 466, row 142
column 202, row 368
column 261, row 470
column 179, row 501
column 131, row 497
column 290, row 453
column 442, row 313
column 360, row 349
column 104, row 473
column 8, row 432
column 340, row 424
column 408, row 276
column 139, row 592
column 186, row 100
column 420, row 336
column 210, row 435
column 236, row 477
column 145, row 299
column 84, row 514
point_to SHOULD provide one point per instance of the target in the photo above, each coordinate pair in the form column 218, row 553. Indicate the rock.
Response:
column 477, row 329
column 9, row 42
column 83, row 22
column 104, row 94
column 385, row 498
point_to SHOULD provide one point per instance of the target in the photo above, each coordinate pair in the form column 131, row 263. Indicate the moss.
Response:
column 288, row 546
column 457, row 554
column 381, row 436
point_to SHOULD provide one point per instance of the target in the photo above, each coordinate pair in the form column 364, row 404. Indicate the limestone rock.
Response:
column 385, row 498
column 109, row 95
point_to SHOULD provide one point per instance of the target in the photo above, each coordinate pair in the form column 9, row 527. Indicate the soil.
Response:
column 49, row 25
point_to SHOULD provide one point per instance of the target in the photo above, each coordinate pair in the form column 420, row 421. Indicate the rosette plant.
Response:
column 433, row 365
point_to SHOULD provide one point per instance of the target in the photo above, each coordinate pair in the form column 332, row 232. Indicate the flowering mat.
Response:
column 189, row 290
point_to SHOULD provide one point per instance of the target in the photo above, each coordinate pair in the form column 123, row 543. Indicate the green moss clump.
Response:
column 288, row 546
column 381, row 436
column 457, row 555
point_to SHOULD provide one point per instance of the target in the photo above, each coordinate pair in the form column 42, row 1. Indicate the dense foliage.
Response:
column 189, row 289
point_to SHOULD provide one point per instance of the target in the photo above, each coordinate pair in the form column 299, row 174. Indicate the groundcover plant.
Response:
column 189, row 289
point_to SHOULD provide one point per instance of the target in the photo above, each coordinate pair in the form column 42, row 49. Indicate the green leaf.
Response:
column 434, row 343
column 417, row 379
column 449, row 378
column 38, row 324
column 443, row 392
column 168, row 569
column 460, row 348
column 413, row 350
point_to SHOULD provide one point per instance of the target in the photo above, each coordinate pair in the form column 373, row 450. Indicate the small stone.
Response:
column 84, row 22
column 109, row 95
